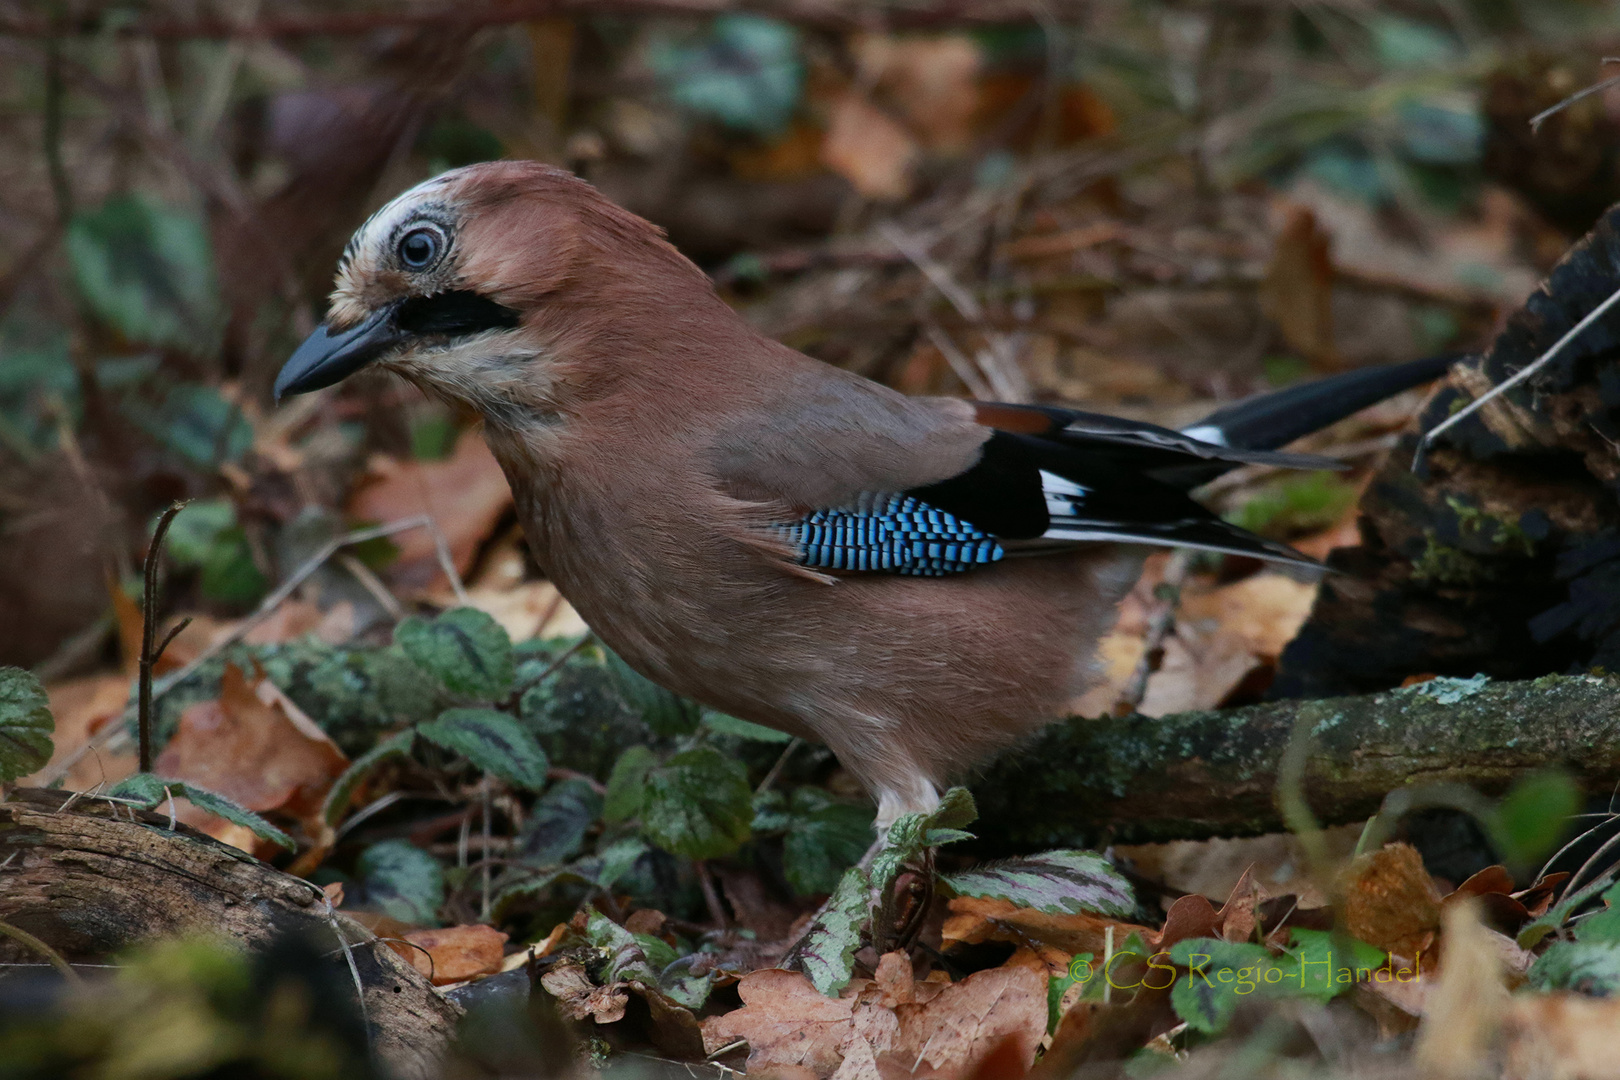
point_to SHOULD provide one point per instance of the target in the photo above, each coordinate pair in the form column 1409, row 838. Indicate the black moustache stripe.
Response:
column 455, row 314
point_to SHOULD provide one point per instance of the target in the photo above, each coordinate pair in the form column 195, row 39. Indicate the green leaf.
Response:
column 1060, row 882
column 1586, row 967
column 147, row 270
column 26, row 724
column 1531, row 934
column 722, row 724
column 1328, row 963
column 911, row 834
column 493, row 741
column 744, row 72
column 1534, row 816
column 1079, row 972
column 148, row 789
column 206, row 536
column 625, row 960
column 195, row 422
column 404, row 881
column 618, row 859
column 215, row 803
column 1602, row 925
column 698, row 804
column 464, row 648
column 337, row 799
column 627, row 784
column 557, row 825
column 825, row 836
column 827, row 953
column 666, row 713
column 1219, row 976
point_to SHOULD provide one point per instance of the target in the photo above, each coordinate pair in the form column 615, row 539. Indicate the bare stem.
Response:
column 150, row 650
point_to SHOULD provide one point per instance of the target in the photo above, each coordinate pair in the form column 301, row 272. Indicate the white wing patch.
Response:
column 1207, row 433
column 1063, row 496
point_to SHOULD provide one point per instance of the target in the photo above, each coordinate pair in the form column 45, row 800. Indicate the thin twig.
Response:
column 487, row 831
column 149, row 615
column 711, row 898
column 373, row 585
column 776, row 770
column 1518, row 377
column 114, row 733
column 1160, row 623
column 1597, row 88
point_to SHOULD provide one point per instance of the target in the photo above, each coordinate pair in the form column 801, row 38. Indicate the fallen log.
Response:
column 1202, row 774
column 95, row 877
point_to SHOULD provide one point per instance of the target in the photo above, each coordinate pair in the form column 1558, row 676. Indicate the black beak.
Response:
column 326, row 358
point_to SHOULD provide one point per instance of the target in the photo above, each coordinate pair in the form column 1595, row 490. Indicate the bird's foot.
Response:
column 881, row 900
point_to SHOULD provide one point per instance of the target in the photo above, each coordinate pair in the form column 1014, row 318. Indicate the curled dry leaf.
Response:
column 1391, row 902
column 456, row 953
column 581, row 998
column 256, row 748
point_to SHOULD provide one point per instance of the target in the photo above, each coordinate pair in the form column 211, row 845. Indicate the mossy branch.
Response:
column 1204, row 774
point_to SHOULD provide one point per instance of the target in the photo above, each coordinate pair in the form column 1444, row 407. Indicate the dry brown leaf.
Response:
column 868, row 148
column 466, row 494
column 1561, row 1037
column 1464, row 1008
column 1265, row 610
column 1199, row 671
column 1297, row 293
column 1391, row 902
column 579, row 997
column 952, row 1035
column 786, row 1021
column 932, row 81
column 976, row 919
column 887, row 1025
column 457, row 953
column 82, row 708
column 255, row 747
column 295, row 618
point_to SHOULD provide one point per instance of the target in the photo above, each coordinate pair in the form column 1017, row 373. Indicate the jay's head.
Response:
column 479, row 284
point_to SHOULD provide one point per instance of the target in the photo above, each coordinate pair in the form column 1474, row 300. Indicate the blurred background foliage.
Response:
column 180, row 177
column 1139, row 206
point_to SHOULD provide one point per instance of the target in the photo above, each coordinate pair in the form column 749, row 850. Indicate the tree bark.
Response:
column 98, row 878
column 1202, row 774
column 1500, row 551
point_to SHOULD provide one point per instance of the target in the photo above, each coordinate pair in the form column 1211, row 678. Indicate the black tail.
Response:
column 1267, row 421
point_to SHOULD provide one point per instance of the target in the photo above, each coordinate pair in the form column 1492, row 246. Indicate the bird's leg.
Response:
column 881, row 907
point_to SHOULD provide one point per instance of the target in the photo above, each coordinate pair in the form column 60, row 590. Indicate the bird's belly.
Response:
column 934, row 672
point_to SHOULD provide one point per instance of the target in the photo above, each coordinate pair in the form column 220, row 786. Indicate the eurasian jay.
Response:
column 916, row 582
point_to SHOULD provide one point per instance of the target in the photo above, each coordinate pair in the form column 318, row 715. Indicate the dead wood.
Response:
column 1500, row 551
column 1202, row 774
column 98, row 877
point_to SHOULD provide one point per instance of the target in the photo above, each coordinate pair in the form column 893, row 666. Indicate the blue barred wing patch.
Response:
column 894, row 533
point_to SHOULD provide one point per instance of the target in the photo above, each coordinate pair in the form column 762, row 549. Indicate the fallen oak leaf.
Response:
column 952, row 1035
column 256, row 748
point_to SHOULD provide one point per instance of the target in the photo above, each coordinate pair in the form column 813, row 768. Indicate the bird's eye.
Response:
column 419, row 248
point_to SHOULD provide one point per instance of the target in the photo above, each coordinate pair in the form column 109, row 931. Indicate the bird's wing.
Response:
column 1032, row 480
